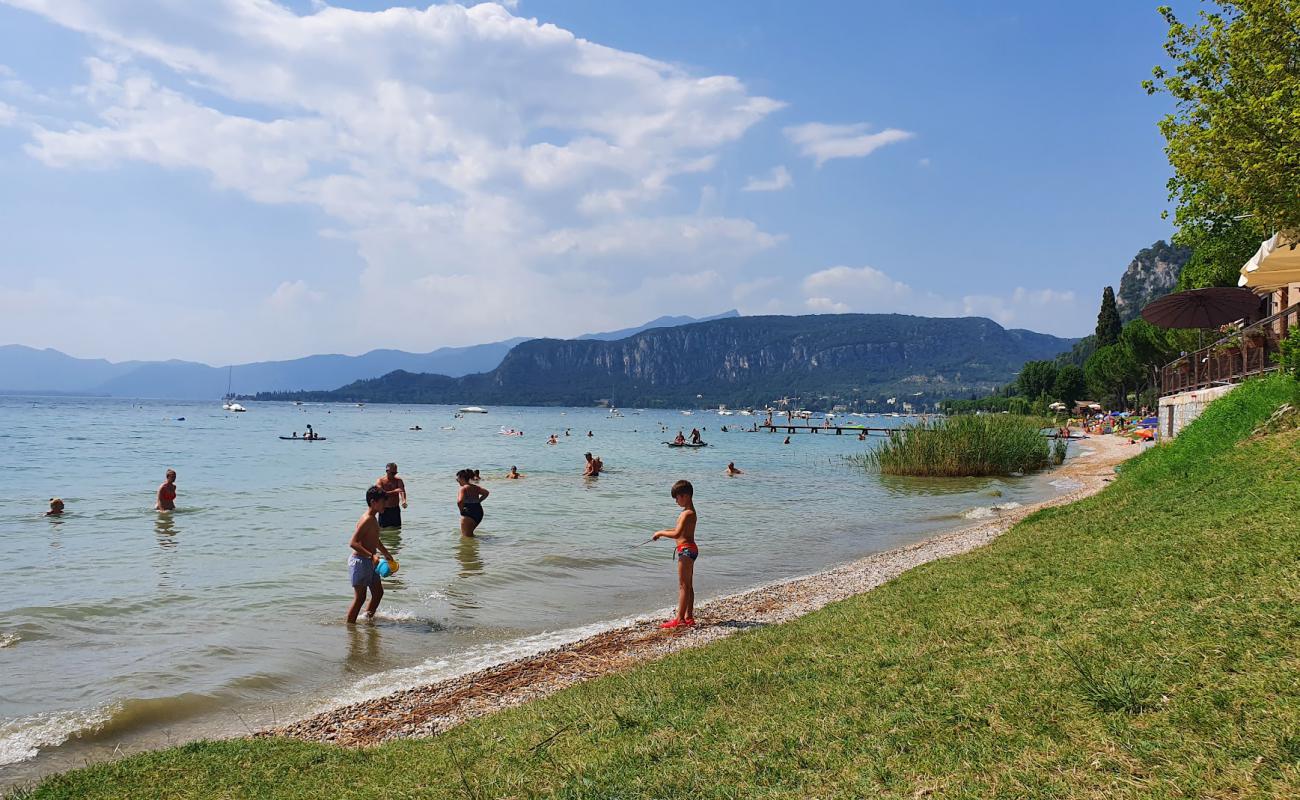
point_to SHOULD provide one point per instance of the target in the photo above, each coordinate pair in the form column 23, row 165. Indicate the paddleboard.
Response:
column 302, row 439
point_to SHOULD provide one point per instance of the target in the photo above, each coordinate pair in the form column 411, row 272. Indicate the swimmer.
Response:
column 732, row 469
column 514, row 474
column 167, row 493
column 787, row 440
column 469, row 500
column 394, row 489
column 594, row 465
column 366, row 548
column 56, row 507
column 552, row 440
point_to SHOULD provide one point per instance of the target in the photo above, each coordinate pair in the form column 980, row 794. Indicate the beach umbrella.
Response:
column 1201, row 308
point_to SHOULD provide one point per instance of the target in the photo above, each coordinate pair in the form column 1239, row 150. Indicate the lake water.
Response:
column 123, row 629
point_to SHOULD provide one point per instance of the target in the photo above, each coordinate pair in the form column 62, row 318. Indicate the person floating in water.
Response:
column 687, row 552
column 394, row 489
column 366, row 549
column 514, row 474
column 732, row 469
column 553, row 440
column 787, row 440
column 594, row 465
column 167, row 493
column 590, row 434
column 56, row 508
column 469, row 499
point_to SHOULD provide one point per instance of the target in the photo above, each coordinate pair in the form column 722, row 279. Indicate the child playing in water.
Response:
column 687, row 552
column 366, row 548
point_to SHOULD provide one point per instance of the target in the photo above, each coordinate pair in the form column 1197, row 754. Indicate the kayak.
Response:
column 686, row 444
column 302, row 439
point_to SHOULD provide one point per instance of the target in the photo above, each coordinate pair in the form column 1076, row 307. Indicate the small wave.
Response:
column 987, row 512
column 9, row 640
column 1066, row 484
column 22, row 738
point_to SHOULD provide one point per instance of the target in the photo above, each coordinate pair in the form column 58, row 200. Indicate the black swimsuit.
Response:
column 472, row 510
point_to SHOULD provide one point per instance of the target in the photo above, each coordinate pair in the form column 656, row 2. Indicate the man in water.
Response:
column 594, row 465
column 514, row 474
column 695, row 435
column 732, row 469
column 167, row 493
column 394, row 489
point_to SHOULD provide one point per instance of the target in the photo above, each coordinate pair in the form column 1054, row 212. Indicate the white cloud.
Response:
column 779, row 178
column 8, row 114
column 823, row 142
column 464, row 151
column 844, row 289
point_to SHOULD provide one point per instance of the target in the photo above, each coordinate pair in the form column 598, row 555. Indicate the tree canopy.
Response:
column 1233, row 138
column 1108, row 321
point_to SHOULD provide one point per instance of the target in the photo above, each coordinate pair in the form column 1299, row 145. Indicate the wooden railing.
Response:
column 1231, row 359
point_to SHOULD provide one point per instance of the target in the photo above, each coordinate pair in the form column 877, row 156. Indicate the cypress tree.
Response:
column 1108, row 323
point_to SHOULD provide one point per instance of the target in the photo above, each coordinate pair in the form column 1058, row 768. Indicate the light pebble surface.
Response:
column 427, row 710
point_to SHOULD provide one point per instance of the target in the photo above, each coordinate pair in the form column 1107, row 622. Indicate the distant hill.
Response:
column 29, row 370
column 662, row 322
column 744, row 361
column 1152, row 274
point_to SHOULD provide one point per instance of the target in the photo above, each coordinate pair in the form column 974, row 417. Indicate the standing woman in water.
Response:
column 167, row 493
column 470, row 502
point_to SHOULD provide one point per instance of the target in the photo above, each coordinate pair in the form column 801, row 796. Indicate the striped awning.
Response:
column 1275, row 264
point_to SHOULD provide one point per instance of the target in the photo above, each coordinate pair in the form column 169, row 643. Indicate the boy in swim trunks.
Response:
column 366, row 548
column 394, row 491
column 687, row 552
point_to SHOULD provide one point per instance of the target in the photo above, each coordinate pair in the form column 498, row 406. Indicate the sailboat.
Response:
column 228, row 402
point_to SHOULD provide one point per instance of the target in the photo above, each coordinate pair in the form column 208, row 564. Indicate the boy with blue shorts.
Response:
column 366, row 550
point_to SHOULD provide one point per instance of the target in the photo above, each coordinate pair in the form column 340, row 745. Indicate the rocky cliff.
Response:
column 1152, row 274
column 746, row 361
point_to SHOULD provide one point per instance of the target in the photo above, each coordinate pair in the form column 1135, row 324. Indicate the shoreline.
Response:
column 430, row 709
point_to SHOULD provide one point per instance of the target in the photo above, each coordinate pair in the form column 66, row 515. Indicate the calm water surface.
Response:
column 123, row 629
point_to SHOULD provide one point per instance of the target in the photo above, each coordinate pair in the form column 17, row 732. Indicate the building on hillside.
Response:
column 1192, row 381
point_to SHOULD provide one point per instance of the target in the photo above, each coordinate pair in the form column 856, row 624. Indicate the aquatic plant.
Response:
column 967, row 445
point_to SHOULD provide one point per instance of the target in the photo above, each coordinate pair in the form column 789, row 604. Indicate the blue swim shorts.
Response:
column 361, row 570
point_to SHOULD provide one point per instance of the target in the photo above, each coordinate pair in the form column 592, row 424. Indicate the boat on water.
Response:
column 687, row 444
column 471, row 410
column 228, row 402
column 303, row 438
column 614, row 412
column 688, row 413
column 510, row 432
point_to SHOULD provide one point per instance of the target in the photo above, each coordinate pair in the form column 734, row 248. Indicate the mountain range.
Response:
column 29, row 370
column 854, row 359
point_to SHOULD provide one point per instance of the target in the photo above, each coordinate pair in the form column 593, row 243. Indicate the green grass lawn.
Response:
column 1144, row 642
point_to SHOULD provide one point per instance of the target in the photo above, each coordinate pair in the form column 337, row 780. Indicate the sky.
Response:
column 241, row 180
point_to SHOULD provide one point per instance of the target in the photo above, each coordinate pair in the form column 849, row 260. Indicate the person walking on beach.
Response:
column 684, row 534
column 594, row 466
column 167, row 493
column 469, row 499
column 394, row 489
column 366, row 550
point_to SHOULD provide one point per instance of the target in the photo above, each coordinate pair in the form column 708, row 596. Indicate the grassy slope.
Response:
column 1176, row 590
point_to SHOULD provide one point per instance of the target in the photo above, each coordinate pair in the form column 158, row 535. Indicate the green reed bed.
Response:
column 962, row 446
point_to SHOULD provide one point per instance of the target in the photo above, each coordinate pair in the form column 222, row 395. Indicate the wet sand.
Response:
column 427, row 710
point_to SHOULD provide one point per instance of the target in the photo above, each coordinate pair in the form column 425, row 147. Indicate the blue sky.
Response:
column 241, row 180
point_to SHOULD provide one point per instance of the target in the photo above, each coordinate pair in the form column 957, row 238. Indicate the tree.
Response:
column 1035, row 378
column 1233, row 138
column 1108, row 322
column 1218, row 251
column 1111, row 371
column 1070, row 384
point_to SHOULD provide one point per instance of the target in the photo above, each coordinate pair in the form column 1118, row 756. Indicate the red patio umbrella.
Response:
column 1202, row 308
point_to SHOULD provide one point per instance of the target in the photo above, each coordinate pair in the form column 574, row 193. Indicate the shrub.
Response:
column 989, row 444
column 1288, row 356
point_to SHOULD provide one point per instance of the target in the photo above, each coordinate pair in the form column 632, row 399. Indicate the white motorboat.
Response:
column 471, row 410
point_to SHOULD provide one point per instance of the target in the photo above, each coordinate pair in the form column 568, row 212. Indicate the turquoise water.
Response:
column 124, row 629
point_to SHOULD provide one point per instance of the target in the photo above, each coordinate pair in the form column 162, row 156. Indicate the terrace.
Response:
column 1241, row 354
